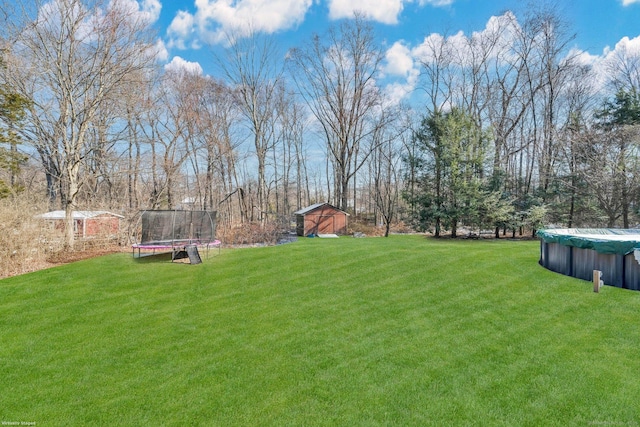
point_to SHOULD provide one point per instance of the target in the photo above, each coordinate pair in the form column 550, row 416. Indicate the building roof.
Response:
column 77, row 214
column 316, row 206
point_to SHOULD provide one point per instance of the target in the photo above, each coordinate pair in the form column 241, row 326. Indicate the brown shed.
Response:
column 87, row 223
column 321, row 218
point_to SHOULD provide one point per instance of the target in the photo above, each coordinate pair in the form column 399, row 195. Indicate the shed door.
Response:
column 325, row 225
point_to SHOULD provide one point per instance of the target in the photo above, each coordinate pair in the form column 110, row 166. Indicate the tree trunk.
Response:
column 74, row 189
column 344, row 197
column 69, row 234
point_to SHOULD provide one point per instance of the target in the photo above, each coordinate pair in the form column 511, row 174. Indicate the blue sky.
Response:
column 190, row 31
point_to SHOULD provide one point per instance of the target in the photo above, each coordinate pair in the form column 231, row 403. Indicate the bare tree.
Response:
column 219, row 112
column 211, row 109
column 253, row 68
column 579, row 97
column 336, row 76
column 75, row 58
column 438, row 63
column 601, row 154
column 137, row 106
column 511, row 89
column 623, row 69
column 551, row 37
column 293, row 122
column 386, row 166
column 167, row 136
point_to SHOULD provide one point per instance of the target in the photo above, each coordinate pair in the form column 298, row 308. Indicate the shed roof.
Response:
column 77, row 214
column 316, row 206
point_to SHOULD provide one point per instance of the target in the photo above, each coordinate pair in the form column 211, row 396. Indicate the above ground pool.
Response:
column 577, row 252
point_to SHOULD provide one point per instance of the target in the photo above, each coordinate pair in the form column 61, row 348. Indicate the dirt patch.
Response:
column 16, row 267
column 65, row 257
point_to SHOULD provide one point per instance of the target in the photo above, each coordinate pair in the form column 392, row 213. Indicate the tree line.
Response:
column 508, row 128
column 520, row 132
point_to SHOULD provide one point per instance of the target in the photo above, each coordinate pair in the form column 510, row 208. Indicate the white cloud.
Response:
column 146, row 10
column 153, row 8
column 629, row 2
column 149, row 10
column 495, row 39
column 161, row 51
column 396, row 92
column 625, row 45
column 459, row 48
column 584, row 58
column 435, row 3
column 398, row 60
column 139, row 14
column 384, row 11
column 428, row 50
column 495, row 42
column 179, row 64
column 181, row 29
column 621, row 62
column 214, row 19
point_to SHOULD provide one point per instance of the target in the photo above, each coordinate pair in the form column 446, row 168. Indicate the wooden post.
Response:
column 597, row 280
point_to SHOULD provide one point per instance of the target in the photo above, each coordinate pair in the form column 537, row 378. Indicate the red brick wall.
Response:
column 102, row 226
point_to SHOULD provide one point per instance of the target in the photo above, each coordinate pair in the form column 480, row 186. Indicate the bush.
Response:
column 366, row 227
column 26, row 244
column 30, row 244
column 251, row 234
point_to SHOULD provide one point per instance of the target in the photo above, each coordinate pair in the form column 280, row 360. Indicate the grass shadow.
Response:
column 154, row 257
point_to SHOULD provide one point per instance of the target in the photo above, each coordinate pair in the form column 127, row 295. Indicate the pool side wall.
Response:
column 621, row 271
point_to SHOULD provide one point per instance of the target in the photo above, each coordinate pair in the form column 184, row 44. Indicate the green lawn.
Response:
column 351, row 332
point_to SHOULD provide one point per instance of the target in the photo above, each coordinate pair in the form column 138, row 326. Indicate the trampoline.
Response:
column 178, row 232
column 577, row 252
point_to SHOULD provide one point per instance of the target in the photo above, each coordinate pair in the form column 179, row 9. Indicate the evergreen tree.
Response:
column 450, row 186
column 12, row 113
column 616, row 161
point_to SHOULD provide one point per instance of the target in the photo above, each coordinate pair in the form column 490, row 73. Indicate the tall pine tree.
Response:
column 13, row 109
column 450, row 185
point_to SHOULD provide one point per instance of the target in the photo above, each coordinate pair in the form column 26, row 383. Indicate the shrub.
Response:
column 250, row 234
column 25, row 244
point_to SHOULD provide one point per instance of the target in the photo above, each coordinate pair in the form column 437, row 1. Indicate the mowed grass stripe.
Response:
column 398, row 331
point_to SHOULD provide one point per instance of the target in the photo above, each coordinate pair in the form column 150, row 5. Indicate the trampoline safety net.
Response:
column 162, row 226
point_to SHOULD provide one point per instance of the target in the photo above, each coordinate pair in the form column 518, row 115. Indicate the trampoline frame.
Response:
column 172, row 246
